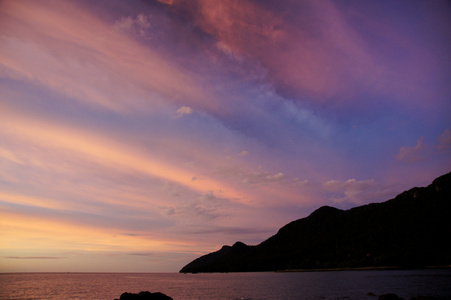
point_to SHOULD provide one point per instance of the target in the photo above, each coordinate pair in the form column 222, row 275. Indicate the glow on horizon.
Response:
column 137, row 136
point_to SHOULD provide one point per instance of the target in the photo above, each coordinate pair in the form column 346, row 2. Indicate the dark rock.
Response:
column 426, row 298
column 389, row 297
column 371, row 294
column 144, row 296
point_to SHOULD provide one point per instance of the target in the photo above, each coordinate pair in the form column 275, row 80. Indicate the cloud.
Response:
column 203, row 211
column 124, row 126
column 233, row 231
column 307, row 119
column 206, row 206
column 209, row 196
column 422, row 151
column 34, row 257
column 8, row 155
column 105, row 151
column 243, row 153
column 41, row 230
column 184, row 110
column 412, row 154
column 328, row 52
column 169, row 2
column 303, row 57
column 149, row 254
column 262, row 178
column 168, row 211
column 354, row 191
column 100, row 67
column 337, row 185
column 130, row 234
column 444, row 141
column 137, row 26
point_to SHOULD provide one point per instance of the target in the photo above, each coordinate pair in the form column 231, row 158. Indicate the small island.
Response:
column 410, row 231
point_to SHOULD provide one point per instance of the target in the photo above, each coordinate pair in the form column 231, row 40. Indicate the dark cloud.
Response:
column 130, row 234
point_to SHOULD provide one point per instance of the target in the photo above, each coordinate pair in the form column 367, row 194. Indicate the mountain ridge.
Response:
column 410, row 230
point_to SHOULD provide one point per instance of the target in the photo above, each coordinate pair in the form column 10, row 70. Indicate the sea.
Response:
column 365, row 284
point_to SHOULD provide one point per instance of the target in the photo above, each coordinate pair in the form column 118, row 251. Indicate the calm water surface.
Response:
column 305, row 285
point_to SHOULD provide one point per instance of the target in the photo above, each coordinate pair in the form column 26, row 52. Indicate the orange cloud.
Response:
column 169, row 2
column 184, row 110
column 24, row 231
column 107, row 152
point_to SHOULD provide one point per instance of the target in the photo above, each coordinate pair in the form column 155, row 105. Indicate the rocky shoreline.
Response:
column 361, row 269
column 396, row 297
column 160, row 296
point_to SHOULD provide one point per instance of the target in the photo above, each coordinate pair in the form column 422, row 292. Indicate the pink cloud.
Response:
column 444, row 141
column 304, row 60
column 138, row 25
column 422, row 151
column 412, row 154
column 322, row 54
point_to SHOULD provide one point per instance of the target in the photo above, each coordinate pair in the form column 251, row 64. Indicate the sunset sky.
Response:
column 138, row 135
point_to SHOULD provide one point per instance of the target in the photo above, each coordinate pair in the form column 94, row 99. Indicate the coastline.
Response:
column 364, row 269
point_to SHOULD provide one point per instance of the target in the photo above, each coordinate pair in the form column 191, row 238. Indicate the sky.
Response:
column 137, row 135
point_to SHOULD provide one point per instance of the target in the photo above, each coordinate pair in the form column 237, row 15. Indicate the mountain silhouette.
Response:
column 412, row 230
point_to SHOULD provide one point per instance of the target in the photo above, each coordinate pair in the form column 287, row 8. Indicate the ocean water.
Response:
column 267, row 285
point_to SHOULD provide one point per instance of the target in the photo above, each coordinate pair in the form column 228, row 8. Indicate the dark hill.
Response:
column 412, row 230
